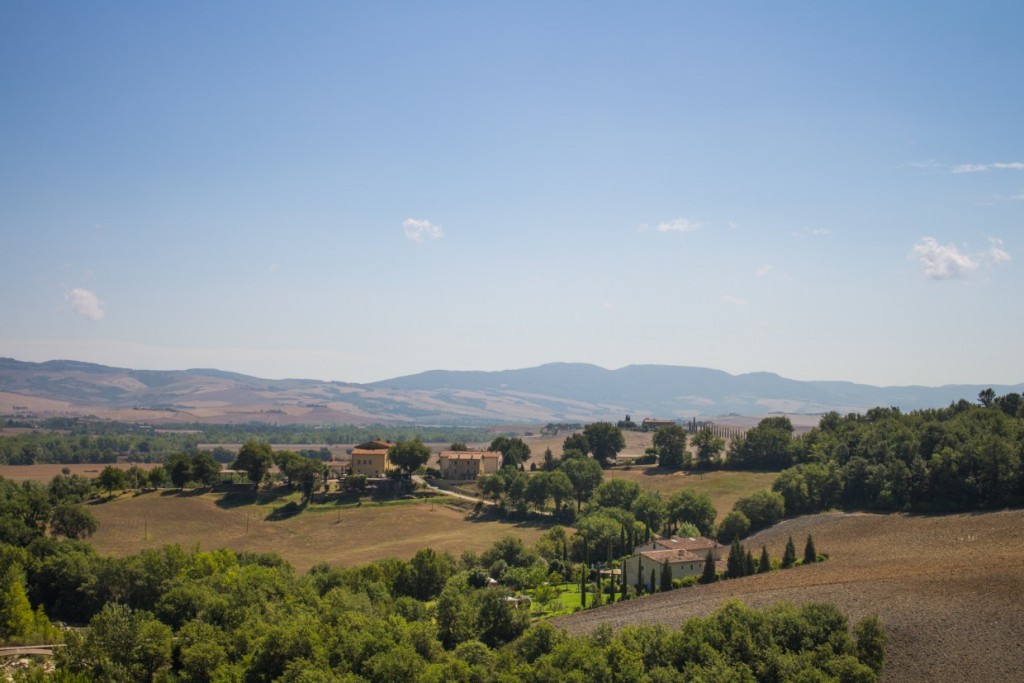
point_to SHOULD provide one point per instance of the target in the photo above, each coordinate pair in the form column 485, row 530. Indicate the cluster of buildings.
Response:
column 685, row 557
column 371, row 458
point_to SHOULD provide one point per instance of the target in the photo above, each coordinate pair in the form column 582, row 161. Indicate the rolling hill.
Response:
column 553, row 392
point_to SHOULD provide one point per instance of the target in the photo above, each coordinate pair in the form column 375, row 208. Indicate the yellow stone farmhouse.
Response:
column 685, row 557
column 371, row 458
column 467, row 465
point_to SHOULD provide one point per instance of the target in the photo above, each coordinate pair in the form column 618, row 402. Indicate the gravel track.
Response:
column 947, row 588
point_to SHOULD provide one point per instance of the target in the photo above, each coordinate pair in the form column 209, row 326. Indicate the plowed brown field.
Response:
column 947, row 588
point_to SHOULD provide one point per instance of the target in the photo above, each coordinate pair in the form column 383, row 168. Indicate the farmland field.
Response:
column 44, row 473
column 339, row 535
column 723, row 487
column 947, row 589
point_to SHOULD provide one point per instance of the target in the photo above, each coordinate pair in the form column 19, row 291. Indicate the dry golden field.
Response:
column 338, row 535
column 44, row 473
column 724, row 488
column 947, row 589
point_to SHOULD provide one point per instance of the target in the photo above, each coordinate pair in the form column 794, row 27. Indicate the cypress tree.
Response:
column 622, row 582
column 749, row 567
column 666, row 576
column 639, row 575
column 765, row 565
column 710, row 574
column 810, row 554
column 654, row 586
column 736, row 560
column 789, row 556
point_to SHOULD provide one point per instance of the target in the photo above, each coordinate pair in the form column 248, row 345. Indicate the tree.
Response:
column 871, row 643
column 514, row 450
column 710, row 573
column 986, row 397
column 119, row 644
column 666, row 576
column 735, row 525
column 537, row 493
column 765, row 565
column 112, row 478
column 749, row 566
column 205, row 469
column 671, row 444
column 576, row 443
column 560, row 488
column 789, row 555
column 409, row 455
column 650, row 509
column 617, row 493
column 765, row 447
column 605, row 441
column 491, row 486
column 158, row 477
column 255, row 459
column 692, row 507
column 458, row 446
column 73, row 521
column 179, row 469
column 585, row 475
column 762, row 508
column 708, row 447
column 16, row 619
column 136, row 477
column 810, row 554
column 549, row 464
column 309, row 475
column 736, row 562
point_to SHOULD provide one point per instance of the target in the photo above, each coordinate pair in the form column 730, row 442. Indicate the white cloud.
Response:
column 821, row 232
column 762, row 271
column 947, row 261
column 84, row 303
column 998, row 166
column 419, row 230
column 996, row 252
column 274, row 267
column 734, row 300
column 678, row 225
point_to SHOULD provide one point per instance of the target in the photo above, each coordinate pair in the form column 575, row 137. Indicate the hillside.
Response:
column 554, row 392
column 946, row 588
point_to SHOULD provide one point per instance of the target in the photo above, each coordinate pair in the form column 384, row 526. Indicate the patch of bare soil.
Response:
column 947, row 589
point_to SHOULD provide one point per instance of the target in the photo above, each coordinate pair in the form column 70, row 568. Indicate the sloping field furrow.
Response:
column 948, row 589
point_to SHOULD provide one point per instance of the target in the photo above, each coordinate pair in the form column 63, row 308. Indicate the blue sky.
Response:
column 355, row 191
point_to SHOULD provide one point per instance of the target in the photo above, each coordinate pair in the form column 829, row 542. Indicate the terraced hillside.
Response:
column 948, row 589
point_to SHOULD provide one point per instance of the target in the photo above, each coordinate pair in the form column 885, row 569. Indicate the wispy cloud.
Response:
column 679, row 225
column 85, row 303
column 762, row 271
column 813, row 232
column 998, row 166
column 996, row 252
column 948, row 262
column 419, row 230
column 734, row 300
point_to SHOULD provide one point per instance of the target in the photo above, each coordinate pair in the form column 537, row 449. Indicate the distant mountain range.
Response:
column 556, row 392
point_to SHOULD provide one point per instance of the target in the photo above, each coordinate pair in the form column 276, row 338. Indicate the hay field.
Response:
column 946, row 588
column 723, row 487
column 340, row 536
column 44, row 473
